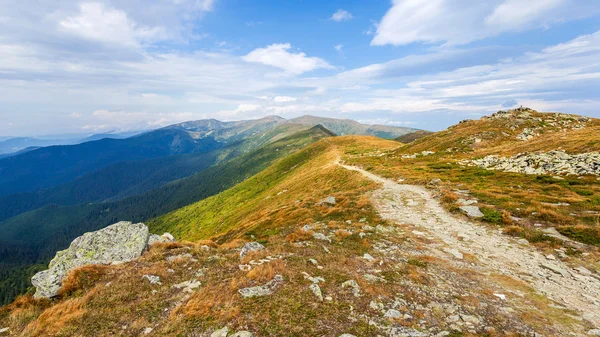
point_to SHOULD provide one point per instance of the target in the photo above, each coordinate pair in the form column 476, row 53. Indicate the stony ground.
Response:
column 491, row 252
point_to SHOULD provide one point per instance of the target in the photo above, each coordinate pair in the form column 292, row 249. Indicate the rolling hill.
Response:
column 33, row 237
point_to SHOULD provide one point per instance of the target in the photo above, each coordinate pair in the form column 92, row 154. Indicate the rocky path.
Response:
column 575, row 289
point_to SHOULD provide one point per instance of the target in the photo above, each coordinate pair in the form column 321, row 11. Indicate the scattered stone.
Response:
column 368, row 257
column 550, row 257
column 306, row 228
column 3, row 330
column 147, row 331
column 330, row 200
column 392, row 314
column 322, row 237
column 454, row 252
column 472, row 211
column 373, row 278
column 313, row 279
column 434, row 182
column 594, row 332
column 313, row 262
column 355, row 287
column 316, row 290
column 188, row 286
column 584, row 271
column 165, row 238
column 501, row 296
column 266, row 289
column 347, row 335
column 551, row 162
column 153, row 279
column 120, row 242
column 250, row 247
column 186, row 256
column 220, row 333
column 245, row 267
column 465, row 202
column 555, row 269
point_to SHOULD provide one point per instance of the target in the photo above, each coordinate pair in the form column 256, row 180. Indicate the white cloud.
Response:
column 278, row 55
column 284, row 99
column 463, row 21
column 202, row 5
column 341, row 15
column 101, row 23
column 338, row 47
column 515, row 14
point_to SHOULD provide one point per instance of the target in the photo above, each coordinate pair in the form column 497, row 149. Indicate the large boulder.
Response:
column 118, row 243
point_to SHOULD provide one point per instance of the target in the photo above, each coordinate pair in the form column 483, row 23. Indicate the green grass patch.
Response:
column 589, row 235
column 491, row 215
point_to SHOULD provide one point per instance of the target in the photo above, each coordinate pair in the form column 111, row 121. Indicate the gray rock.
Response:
column 166, row 237
column 250, row 247
column 555, row 269
column 186, row 256
column 393, row 314
column 594, row 332
column 330, row 200
column 434, row 182
column 472, row 211
column 316, row 291
column 347, row 335
column 355, row 287
column 153, row 279
column 220, row 333
column 3, row 330
column 188, row 286
column 454, row 252
column 322, row 237
column 264, row 290
column 121, row 242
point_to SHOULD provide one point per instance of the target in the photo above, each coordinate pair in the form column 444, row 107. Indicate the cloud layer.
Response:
column 130, row 64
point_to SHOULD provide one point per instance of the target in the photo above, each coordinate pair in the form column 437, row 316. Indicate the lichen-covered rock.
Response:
column 472, row 211
column 121, row 242
column 264, row 290
column 250, row 247
column 551, row 162
column 330, row 200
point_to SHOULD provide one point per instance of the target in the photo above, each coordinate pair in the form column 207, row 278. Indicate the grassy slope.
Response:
column 303, row 177
column 524, row 196
column 411, row 137
column 38, row 234
column 130, row 304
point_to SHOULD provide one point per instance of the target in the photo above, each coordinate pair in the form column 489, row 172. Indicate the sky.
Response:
column 102, row 65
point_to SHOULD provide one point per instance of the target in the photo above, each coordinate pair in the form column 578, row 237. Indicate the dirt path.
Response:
column 497, row 253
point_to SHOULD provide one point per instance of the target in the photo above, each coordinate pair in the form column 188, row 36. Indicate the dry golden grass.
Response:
column 82, row 278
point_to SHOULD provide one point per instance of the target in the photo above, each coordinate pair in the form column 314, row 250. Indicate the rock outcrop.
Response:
column 552, row 162
column 118, row 243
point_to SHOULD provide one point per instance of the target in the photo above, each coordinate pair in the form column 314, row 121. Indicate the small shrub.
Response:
column 299, row 235
column 417, row 262
column 585, row 193
column 588, row 235
column 483, row 173
column 506, row 218
column 513, row 230
column 595, row 201
column 491, row 215
column 440, row 166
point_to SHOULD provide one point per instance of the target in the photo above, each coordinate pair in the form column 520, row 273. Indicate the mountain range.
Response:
column 67, row 190
column 287, row 228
